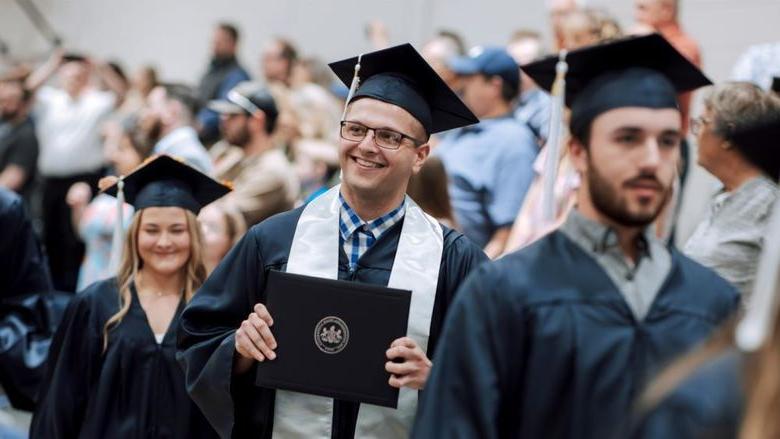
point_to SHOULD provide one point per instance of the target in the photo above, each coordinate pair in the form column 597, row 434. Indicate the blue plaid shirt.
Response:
column 357, row 235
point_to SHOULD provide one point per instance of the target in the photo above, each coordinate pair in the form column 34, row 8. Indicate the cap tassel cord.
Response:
column 553, row 147
column 119, row 229
column 352, row 87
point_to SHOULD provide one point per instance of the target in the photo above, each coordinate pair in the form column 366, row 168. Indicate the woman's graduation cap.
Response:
column 641, row 71
column 161, row 182
column 167, row 182
column 400, row 76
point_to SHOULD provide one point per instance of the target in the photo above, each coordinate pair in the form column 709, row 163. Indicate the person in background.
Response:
column 731, row 236
column 438, row 51
column 222, row 226
column 264, row 181
column 557, row 10
column 67, row 121
column 316, row 164
column 277, row 61
column 580, row 28
column 112, row 369
column 662, row 16
column 18, row 141
column 223, row 73
column 127, row 144
column 533, row 105
column 26, row 321
column 428, row 188
column 142, row 82
column 489, row 164
column 173, row 107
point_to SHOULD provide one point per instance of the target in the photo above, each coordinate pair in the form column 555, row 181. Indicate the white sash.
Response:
column 415, row 268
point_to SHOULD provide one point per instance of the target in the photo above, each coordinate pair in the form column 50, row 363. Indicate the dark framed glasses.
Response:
column 383, row 137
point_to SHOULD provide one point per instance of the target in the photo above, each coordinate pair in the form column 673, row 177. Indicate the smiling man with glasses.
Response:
column 365, row 230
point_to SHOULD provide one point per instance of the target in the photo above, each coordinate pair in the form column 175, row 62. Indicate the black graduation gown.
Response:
column 29, row 309
column 708, row 404
column 541, row 343
column 133, row 390
column 233, row 404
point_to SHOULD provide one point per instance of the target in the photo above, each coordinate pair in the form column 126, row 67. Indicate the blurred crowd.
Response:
column 73, row 119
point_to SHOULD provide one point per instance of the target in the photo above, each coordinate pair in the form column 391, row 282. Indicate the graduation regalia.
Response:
column 206, row 334
column 542, row 343
column 234, row 404
column 29, row 309
column 135, row 387
column 569, row 358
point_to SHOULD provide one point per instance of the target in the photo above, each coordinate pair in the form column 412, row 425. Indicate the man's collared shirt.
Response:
column 533, row 109
column 638, row 283
column 357, row 235
column 490, row 167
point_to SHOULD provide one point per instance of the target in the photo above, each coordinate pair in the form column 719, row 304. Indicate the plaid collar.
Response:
column 350, row 222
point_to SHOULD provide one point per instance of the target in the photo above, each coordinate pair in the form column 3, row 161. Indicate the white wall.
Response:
column 174, row 34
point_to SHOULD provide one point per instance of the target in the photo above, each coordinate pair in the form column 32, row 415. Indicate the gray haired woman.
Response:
column 730, row 238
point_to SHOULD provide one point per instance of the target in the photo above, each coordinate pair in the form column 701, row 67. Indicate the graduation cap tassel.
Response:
column 119, row 229
column 553, row 146
column 352, row 87
column 758, row 320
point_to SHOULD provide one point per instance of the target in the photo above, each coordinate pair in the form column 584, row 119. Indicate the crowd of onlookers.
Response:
column 73, row 119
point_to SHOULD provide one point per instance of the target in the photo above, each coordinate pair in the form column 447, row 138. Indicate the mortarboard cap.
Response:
column 758, row 143
column 641, row 71
column 166, row 182
column 400, row 76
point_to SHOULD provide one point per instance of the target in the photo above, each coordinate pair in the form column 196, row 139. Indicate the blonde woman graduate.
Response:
column 112, row 370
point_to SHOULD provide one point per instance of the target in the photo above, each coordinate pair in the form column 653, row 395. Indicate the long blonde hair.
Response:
column 131, row 262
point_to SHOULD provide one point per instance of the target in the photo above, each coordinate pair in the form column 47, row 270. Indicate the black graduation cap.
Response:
column 759, row 144
column 400, row 76
column 643, row 71
column 166, row 182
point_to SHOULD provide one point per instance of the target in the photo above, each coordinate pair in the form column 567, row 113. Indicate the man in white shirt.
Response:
column 68, row 120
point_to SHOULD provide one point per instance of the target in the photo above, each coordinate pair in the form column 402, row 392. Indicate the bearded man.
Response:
column 557, row 339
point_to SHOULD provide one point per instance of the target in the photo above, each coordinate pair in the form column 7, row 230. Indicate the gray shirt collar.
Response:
column 638, row 283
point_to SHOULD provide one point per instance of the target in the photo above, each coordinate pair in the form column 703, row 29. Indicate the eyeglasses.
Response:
column 383, row 137
column 697, row 124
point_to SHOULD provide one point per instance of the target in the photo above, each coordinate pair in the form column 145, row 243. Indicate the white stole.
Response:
column 314, row 252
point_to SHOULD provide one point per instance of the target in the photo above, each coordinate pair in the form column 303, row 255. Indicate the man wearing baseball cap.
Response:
column 490, row 164
column 264, row 181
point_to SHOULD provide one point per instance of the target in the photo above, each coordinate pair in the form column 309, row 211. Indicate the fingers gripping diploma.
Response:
column 408, row 364
column 254, row 340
